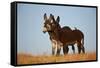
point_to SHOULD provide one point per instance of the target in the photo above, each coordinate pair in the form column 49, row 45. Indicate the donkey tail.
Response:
column 83, row 41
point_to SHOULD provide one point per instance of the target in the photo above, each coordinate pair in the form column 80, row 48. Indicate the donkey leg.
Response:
column 65, row 50
column 58, row 50
column 73, row 48
column 53, row 48
column 79, row 49
column 83, row 49
column 79, row 46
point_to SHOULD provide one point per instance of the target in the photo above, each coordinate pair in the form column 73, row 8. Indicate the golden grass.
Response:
column 29, row 59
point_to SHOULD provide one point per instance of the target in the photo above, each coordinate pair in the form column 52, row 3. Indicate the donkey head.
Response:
column 49, row 23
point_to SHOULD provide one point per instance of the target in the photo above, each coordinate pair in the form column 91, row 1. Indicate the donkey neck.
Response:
column 58, row 26
column 54, row 35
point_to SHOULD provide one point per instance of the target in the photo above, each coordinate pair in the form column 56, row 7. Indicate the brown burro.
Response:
column 62, row 37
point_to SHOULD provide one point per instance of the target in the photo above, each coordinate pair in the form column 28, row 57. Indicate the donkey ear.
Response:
column 45, row 16
column 52, row 17
column 58, row 19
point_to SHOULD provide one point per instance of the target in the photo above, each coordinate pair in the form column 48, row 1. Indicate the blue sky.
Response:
column 32, row 40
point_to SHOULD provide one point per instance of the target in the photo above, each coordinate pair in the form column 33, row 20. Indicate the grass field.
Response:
column 31, row 59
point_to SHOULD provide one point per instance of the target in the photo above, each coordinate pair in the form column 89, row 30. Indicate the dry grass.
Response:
column 29, row 59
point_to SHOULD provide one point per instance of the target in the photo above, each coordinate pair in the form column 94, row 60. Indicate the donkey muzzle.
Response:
column 44, row 30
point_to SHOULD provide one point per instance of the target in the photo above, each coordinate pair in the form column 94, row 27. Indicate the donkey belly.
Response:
column 68, row 39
